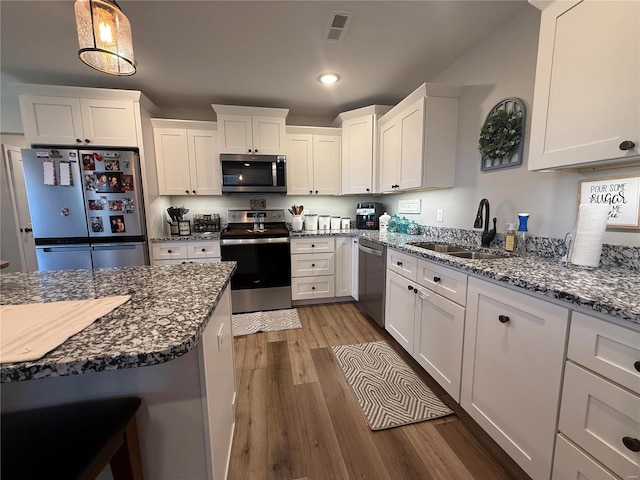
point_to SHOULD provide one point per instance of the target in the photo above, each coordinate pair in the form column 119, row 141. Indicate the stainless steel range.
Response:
column 259, row 241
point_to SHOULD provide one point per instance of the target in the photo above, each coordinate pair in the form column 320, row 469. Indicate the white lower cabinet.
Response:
column 429, row 326
column 571, row 463
column 438, row 334
column 400, row 309
column 600, row 411
column 344, row 269
column 185, row 251
column 313, row 273
column 512, row 370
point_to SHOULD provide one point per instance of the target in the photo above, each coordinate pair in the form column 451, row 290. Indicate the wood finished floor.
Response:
column 297, row 418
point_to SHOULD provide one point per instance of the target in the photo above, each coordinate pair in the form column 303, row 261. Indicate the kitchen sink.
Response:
column 475, row 255
column 455, row 251
column 438, row 247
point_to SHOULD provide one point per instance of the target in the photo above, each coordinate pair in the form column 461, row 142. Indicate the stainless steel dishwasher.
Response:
column 372, row 259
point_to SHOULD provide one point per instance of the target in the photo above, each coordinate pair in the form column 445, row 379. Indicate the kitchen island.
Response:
column 171, row 345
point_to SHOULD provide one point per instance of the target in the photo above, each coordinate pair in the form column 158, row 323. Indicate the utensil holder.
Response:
column 296, row 223
column 174, row 229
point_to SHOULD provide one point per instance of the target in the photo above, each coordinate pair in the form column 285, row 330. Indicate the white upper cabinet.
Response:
column 586, row 105
column 417, row 140
column 359, row 158
column 186, row 158
column 251, row 129
column 313, row 162
column 54, row 120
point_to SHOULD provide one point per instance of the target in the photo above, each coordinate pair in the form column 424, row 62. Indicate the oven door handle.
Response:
column 252, row 241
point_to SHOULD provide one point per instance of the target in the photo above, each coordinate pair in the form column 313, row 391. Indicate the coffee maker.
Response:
column 367, row 215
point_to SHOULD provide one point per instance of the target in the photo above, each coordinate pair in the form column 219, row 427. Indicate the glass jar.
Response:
column 403, row 224
column 392, row 227
column 413, row 228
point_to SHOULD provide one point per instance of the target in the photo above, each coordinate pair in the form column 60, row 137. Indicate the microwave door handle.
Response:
column 274, row 174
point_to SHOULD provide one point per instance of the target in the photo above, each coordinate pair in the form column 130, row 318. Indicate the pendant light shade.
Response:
column 104, row 36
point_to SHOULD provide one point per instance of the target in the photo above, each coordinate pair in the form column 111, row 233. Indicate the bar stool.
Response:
column 72, row 441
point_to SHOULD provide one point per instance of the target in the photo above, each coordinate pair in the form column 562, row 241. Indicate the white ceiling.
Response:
column 190, row 54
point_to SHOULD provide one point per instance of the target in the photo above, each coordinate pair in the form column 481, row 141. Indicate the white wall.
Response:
column 503, row 65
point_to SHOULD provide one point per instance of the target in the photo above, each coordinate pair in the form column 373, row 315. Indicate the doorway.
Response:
column 20, row 207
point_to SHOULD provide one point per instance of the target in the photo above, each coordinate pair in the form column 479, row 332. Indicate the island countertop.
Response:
column 164, row 319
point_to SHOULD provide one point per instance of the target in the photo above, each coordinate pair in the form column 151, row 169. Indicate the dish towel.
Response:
column 28, row 332
column 590, row 227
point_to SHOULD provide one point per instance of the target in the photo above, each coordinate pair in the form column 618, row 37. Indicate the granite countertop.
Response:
column 193, row 236
column 612, row 291
column 164, row 319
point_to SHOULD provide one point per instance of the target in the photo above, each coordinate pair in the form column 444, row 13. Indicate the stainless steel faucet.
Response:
column 487, row 235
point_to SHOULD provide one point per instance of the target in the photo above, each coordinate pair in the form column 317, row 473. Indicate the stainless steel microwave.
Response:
column 242, row 173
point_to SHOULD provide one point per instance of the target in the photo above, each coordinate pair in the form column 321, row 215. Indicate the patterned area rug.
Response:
column 390, row 394
column 246, row 323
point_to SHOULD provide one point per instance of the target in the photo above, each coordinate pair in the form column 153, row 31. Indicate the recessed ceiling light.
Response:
column 329, row 78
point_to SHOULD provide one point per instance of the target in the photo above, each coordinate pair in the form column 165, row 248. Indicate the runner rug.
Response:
column 390, row 394
column 246, row 323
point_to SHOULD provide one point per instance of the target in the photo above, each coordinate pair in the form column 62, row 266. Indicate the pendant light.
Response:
column 104, row 36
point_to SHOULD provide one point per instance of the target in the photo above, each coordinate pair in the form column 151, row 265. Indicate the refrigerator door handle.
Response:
column 116, row 246
column 65, row 249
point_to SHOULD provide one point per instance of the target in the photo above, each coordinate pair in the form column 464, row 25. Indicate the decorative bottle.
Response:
column 511, row 239
column 523, row 218
column 384, row 222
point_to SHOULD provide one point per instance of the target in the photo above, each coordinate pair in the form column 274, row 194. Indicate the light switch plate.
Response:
column 409, row 206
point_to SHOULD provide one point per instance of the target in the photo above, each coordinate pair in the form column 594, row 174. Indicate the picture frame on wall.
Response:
column 621, row 193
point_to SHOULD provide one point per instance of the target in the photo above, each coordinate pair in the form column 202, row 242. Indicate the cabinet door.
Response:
column 344, row 267
column 218, row 385
column 169, row 251
column 587, row 87
column 204, row 162
column 355, row 269
column 109, row 122
column 357, row 155
column 172, row 160
column 303, row 288
column 447, row 282
column 512, row 367
column 208, row 249
column 411, row 123
column 299, row 164
column 235, row 134
column 312, row 245
column 598, row 415
column 51, row 120
column 390, row 154
column 400, row 309
column 402, row 263
column 326, row 164
column 438, row 336
column 268, row 135
column 571, row 463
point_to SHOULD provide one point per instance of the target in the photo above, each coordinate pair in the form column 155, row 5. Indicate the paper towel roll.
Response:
column 590, row 227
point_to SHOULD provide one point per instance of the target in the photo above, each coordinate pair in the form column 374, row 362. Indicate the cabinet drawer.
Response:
column 312, row 287
column 445, row 281
column 203, row 249
column 312, row 264
column 403, row 264
column 570, row 463
column 312, row 245
column 597, row 415
column 175, row 261
column 167, row 251
column 607, row 349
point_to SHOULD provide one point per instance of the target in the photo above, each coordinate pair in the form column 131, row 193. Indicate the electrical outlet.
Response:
column 439, row 214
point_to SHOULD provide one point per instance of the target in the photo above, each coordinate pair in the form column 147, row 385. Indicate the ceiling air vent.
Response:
column 337, row 25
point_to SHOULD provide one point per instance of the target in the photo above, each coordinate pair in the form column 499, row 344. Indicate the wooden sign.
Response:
column 622, row 194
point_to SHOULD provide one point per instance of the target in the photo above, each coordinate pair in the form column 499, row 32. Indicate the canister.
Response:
column 324, row 222
column 345, row 223
column 311, row 221
column 335, row 223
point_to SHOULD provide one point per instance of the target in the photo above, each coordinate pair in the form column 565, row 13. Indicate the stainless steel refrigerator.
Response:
column 86, row 208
